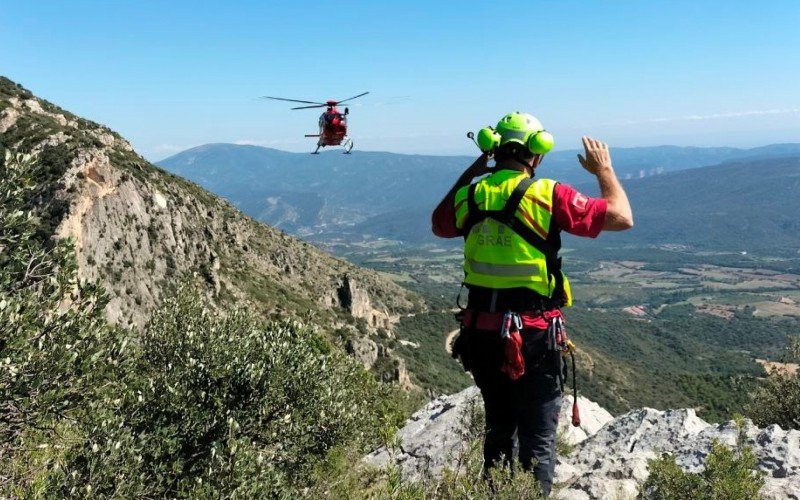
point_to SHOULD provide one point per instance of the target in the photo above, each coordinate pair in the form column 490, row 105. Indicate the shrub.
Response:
column 221, row 392
column 220, row 406
column 777, row 401
column 198, row 404
column 728, row 475
column 57, row 354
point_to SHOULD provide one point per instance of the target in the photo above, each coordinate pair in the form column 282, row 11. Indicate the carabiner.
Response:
column 551, row 335
column 505, row 329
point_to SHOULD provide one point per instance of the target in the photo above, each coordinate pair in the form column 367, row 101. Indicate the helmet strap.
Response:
column 523, row 163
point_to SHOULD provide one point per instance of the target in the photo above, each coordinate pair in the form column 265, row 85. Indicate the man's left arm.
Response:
column 443, row 220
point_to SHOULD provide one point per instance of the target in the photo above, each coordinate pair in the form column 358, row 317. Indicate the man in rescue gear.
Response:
column 511, row 225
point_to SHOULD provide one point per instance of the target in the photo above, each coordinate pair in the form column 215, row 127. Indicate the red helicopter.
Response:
column 332, row 123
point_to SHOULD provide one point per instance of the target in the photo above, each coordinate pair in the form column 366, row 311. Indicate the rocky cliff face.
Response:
column 142, row 232
column 609, row 455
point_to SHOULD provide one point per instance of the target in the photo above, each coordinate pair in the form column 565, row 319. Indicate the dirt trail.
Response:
column 448, row 341
column 773, row 366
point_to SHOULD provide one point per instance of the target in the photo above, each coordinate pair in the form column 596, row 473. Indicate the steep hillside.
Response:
column 142, row 231
column 313, row 194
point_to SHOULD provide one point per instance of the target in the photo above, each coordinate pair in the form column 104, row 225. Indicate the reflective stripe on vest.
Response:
column 495, row 255
column 504, row 269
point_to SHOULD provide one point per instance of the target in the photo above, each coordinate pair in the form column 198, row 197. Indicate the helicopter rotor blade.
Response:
column 291, row 100
column 309, row 107
column 351, row 98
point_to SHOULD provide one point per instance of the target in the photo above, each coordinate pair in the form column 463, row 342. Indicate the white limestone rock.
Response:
column 593, row 418
column 432, row 438
column 606, row 464
column 610, row 455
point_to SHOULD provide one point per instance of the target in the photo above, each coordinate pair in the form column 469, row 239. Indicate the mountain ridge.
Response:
column 706, row 196
column 390, row 183
column 773, row 149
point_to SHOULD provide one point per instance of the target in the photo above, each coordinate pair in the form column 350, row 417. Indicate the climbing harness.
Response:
column 510, row 326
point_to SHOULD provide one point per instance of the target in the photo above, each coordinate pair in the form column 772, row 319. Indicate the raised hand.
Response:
column 597, row 162
column 597, row 156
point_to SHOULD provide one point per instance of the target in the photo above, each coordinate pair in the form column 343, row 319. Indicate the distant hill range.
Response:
column 743, row 205
column 733, row 207
column 707, row 198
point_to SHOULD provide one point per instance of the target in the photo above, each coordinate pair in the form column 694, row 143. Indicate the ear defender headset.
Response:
column 516, row 127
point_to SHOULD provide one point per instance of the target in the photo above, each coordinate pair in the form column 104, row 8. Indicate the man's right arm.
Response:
column 443, row 220
column 619, row 216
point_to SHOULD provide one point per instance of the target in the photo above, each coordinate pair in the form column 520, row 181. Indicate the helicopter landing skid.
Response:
column 348, row 145
column 316, row 151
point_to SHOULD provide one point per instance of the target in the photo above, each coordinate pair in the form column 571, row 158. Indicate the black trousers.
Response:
column 528, row 406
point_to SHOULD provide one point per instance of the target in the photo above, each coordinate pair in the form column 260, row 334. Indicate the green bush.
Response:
column 777, row 401
column 238, row 404
column 728, row 475
column 198, row 404
column 56, row 352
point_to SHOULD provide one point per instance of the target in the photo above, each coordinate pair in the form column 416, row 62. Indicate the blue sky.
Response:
column 171, row 75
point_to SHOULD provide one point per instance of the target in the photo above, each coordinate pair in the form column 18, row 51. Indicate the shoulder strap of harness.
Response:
column 512, row 204
column 475, row 214
column 472, row 209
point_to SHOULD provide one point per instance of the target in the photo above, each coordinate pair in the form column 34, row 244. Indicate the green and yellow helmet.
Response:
column 517, row 127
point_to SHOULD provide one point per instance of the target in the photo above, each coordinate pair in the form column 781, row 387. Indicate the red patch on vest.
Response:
column 580, row 201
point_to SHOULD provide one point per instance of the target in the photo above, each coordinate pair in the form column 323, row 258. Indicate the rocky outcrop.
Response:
column 364, row 350
column 356, row 300
column 593, row 418
column 609, row 456
column 613, row 462
column 400, row 374
column 434, row 436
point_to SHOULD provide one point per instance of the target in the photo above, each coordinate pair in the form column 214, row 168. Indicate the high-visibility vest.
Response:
column 505, row 219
